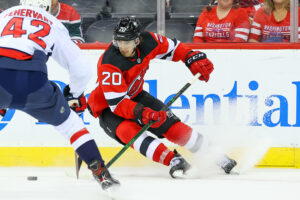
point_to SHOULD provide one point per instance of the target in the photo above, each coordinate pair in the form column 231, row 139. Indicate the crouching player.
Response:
column 123, row 107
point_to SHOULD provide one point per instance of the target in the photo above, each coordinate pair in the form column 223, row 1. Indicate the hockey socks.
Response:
column 150, row 147
column 73, row 129
column 183, row 135
column 89, row 152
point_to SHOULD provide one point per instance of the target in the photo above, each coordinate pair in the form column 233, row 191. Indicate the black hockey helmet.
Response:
column 128, row 28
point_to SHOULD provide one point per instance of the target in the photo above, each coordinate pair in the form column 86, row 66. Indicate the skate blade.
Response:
column 233, row 173
column 112, row 192
column 179, row 174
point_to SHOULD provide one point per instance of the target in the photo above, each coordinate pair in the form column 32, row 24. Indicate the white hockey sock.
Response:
column 196, row 142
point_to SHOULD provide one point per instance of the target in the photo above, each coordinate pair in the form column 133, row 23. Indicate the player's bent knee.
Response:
column 127, row 130
column 179, row 133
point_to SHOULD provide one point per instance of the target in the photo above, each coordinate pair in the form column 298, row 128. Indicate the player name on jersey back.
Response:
column 28, row 13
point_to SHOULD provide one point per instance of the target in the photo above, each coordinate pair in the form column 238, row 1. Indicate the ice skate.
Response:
column 179, row 166
column 227, row 164
column 102, row 175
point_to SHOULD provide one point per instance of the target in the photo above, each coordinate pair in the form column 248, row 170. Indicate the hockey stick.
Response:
column 145, row 127
column 183, row 89
column 78, row 163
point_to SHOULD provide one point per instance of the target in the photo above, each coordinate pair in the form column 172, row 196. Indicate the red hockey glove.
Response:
column 196, row 61
column 144, row 115
column 2, row 113
column 77, row 104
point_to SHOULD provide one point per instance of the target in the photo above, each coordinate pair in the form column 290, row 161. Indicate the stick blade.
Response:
column 78, row 163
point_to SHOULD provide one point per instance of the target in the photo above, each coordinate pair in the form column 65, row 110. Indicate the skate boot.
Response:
column 227, row 164
column 102, row 175
column 179, row 165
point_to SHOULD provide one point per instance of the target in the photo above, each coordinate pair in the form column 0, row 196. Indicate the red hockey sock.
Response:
column 149, row 146
column 163, row 155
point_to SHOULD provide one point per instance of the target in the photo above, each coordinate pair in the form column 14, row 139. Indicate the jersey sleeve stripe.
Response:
column 112, row 108
column 244, row 37
column 173, row 44
column 255, row 31
column 158, row 37
column 198, row 34
column 112, row 95
column 115, row 101
column 256, row 24
column 244, row 30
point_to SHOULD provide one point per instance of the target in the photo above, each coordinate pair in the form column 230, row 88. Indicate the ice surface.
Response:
column 149, row 184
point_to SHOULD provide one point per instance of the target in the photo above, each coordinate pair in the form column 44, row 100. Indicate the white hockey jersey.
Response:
column 24, row 29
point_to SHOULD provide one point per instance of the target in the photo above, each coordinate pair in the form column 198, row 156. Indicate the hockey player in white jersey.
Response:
column 28, row 36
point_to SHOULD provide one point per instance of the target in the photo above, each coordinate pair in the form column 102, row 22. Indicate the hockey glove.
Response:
column 196, row 61
column 144, row 115
column 2, row 113
column 77, row 104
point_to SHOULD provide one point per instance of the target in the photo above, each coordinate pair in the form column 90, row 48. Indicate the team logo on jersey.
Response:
column 136, row 83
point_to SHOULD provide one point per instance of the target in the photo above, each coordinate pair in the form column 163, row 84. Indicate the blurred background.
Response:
column 172, row 18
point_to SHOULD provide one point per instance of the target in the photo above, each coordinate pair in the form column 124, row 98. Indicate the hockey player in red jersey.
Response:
column 122, row 105
column 28, row 37
column 67, row 15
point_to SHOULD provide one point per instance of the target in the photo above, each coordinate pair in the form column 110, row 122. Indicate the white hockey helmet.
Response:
column 43, row 4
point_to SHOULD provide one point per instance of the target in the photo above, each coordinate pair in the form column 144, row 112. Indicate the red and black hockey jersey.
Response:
column 120, row 79
column 71, row 19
